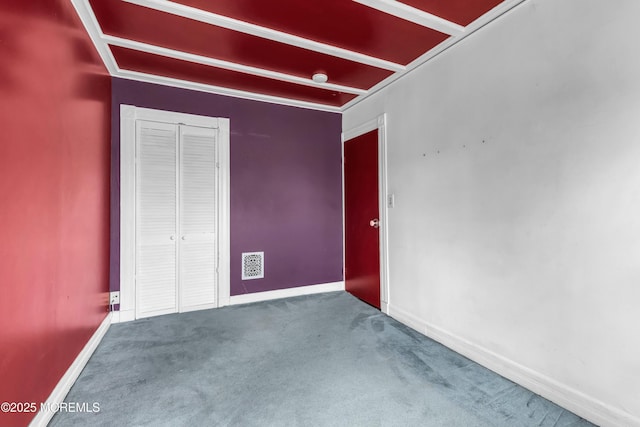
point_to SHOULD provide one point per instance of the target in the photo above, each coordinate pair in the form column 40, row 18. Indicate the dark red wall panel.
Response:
column 341, row 23
column 54, row 192
column 461, row 12
column 144, row 62
column 125, row 20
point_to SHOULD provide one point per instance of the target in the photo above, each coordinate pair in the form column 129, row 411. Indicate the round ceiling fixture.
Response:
column 320, row 78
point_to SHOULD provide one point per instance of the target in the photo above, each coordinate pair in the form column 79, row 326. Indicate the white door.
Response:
column 176, row 246
column 156, row 225
column 197, row 218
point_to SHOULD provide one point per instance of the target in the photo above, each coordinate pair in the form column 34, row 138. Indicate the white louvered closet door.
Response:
column 197, row 218
column 156, row 233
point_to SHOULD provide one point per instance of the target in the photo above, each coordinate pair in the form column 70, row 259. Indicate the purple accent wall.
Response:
column 286, row 183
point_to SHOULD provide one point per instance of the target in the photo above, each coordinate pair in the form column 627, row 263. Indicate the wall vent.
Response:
column 252, row 265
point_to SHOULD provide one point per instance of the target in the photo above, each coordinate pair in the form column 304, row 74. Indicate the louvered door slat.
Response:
column 156, row 218
column 197, row 217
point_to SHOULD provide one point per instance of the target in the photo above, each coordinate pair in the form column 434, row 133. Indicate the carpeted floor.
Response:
column 319, row 360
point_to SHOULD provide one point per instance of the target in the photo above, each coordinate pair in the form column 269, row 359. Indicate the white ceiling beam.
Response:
column 92, row 27
column 265, row 33
column 184, row 56
column 218, row 90
column 417, row 16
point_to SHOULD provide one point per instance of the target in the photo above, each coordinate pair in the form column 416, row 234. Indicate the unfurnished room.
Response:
column 338, row 213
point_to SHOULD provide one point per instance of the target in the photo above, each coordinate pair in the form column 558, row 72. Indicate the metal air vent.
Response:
column 252, row 265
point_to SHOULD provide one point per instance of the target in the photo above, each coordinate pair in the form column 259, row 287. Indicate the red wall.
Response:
column 55, row 98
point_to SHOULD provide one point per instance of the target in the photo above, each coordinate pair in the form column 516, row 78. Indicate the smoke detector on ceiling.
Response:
column 320, row 78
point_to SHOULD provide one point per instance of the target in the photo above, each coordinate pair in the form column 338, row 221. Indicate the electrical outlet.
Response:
column 114, row 297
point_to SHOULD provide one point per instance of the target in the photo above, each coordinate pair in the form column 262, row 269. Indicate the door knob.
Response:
column 375, row 223
column 184, row 237
column 172, row 237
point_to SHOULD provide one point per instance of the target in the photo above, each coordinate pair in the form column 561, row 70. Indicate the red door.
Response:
column 362, row 237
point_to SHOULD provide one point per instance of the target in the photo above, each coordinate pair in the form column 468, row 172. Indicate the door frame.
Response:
column 128, row 116
column 379, row 123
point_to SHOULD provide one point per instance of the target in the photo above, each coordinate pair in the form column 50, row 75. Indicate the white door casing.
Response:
column 379, row 123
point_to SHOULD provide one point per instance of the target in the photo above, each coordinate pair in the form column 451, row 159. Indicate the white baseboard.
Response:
column 286, row 293
column 129, row 315
column 69, row 378
column 384, row 307
column 594, row 410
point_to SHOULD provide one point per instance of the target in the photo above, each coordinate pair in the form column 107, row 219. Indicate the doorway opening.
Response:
column 365, row 213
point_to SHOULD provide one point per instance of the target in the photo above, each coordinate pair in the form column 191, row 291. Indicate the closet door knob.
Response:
column 172, row 237
column 184, row 237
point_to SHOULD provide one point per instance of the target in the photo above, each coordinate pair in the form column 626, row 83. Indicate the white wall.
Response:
column 515, row 161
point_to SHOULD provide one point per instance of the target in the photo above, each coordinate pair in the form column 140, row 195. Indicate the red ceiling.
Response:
column 174, row 68
column 137, row 23
column 461, row 12
column 344, row 24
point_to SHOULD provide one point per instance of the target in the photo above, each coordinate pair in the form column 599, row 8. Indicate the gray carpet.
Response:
column 319, row 360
